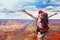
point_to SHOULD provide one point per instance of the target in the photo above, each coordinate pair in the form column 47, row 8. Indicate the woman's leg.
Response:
column 39, row 36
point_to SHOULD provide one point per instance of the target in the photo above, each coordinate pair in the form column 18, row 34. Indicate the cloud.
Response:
column 15, row 10
column 48, row 8
column 32, row 8
column 55, row 1
column 1, row 7
column 8, row 3
column 44, row 2
column 2, row 15
column 28, row 0
column 12, row 6
column 52, row 8
column 19, row 15
column 22, row 15
column 11, row 9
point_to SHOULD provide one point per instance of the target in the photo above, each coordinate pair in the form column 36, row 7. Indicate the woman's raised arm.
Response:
column 29, row 14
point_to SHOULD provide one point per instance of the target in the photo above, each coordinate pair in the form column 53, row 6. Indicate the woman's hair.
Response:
column 40, row 11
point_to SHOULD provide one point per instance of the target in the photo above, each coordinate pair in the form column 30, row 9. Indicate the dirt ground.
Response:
column 29, row 33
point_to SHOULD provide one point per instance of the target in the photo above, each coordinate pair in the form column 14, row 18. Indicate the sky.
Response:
column 11, row 9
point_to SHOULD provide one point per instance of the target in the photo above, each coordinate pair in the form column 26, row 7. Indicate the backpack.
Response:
column 44, row 22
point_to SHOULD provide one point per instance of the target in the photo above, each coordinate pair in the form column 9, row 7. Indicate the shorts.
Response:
column 41, row 35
